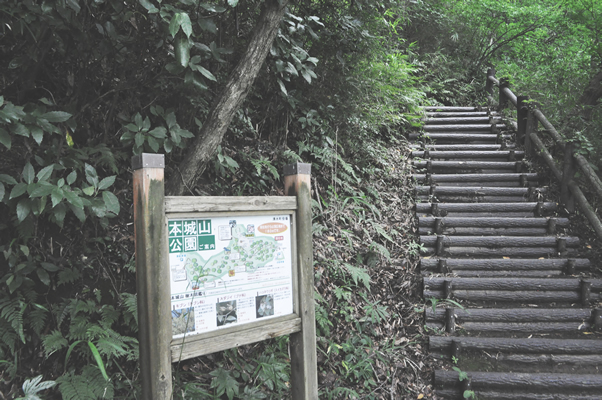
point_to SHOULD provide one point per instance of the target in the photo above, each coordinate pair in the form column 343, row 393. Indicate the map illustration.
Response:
column 243, row 254
column 227, row 271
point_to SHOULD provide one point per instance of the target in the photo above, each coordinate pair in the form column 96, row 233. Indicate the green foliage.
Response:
column 31, row 388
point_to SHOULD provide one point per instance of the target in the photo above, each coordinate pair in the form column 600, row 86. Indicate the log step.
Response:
column 443, row 114
column 518, row 320
column 509, row 155
column 454, row 167
column 488, row 180
column 463, row 120
column 443, row 345
column 463, row 127
column 452, row 108
column 479, row 191
column 490, row 226
column 514, row 290
column 448, row 209
column 499, row 241
column 523, row 386
column 458, row 147
column 477, row 138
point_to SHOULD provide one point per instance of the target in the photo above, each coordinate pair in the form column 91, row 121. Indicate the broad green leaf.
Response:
column 56, row 116
column 49, row 267
column 282, row 87
column 71, row 178
column 43, row 189
column 23, row 209
column 45, row 173
column 59, row 213
column 182, row 47
column 159, row 132
column 37, row 134
column 180, row 20
column 150, row 7
column 18, row 190
column 2, row 191
column 56, row 196
column 206, row 73
column 232, row 3
column 28, row 173
column 152, row 142
column 139, row 139
column 73, row 199
column 74, row 6
column 106, row 182
column 5, row 138
column 88, row 190
column 78, row 212
column 112, row 202
column 43, row 275
column 8, row 179
column 21, row 130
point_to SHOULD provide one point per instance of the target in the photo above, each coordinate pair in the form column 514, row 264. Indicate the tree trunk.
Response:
column 202, row 149
column 591, row 95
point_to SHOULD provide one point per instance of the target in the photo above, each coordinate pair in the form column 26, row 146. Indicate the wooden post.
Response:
column 503, row 100
column 530, row 127
column 522, row 112
column 489, row 83
column 152, row 276
column 568, row 173
column 304, row 369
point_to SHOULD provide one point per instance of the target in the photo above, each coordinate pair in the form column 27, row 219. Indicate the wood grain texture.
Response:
column 188, row 204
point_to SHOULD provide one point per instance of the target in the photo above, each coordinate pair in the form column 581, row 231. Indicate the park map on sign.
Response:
column 243, row 254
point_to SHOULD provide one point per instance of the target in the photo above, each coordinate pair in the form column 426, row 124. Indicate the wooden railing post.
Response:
column 522, row 112
column 503, row 100
column 152, row 276
column 304, row 374
column 489, row 83
column 530, row 127
column 568, row 173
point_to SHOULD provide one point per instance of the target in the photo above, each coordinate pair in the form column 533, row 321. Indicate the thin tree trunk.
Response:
column 591, row 95
column 203, row 148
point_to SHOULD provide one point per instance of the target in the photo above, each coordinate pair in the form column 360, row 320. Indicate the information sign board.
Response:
column 229, row 270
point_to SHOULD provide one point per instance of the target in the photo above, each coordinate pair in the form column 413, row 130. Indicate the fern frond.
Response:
column 37, row 319
column 54, row 342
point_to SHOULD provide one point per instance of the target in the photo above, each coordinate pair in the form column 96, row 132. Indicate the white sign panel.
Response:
column 227, row 271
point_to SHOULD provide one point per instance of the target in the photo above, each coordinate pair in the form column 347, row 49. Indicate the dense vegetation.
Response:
column 87, row 84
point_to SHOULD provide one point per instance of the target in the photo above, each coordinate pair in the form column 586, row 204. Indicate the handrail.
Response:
column 528, row 118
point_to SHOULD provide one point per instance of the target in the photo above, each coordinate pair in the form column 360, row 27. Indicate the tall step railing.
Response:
column 528, row 118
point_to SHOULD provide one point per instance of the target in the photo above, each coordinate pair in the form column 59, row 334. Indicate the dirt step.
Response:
column 463, row 120
column 519, row 386
column 485, row 180
column 455, row 167
column 463, row 127
column 515, row 290
column 501, row 265
column 491, row 226
column 509, row 155
column 448, row 138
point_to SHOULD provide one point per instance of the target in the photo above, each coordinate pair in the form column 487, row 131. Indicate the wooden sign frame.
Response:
column 157, row 348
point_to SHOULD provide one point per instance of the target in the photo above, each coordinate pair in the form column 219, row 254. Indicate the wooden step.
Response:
column 451, row 137
column 469, row 167
column 490, row 226
column 462, row 127
column 451, row 108
column 459, row 147
column 518, row 320
column 509, row 155
column 519, row 386
column 486, row 180
column 512, row 265
column 473, row 209
column 463, row 120
column 514, row 290
column 443, row 114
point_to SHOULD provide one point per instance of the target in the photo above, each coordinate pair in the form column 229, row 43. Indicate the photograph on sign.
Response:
column 228, row 271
